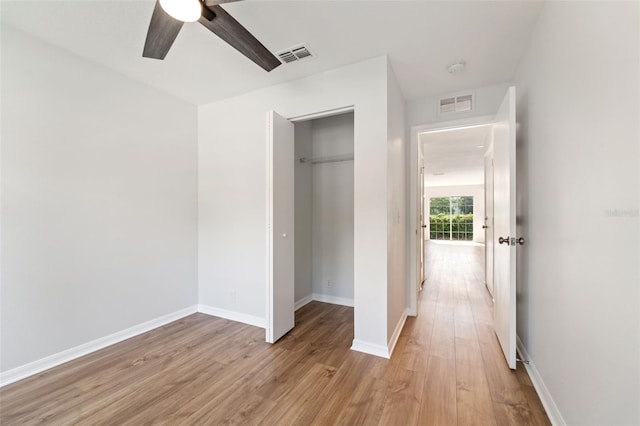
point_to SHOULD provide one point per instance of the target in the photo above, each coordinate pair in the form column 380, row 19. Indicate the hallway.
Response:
column 452, row 345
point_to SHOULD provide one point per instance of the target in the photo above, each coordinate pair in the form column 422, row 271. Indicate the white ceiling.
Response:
column 458, row 153
column 420, row 37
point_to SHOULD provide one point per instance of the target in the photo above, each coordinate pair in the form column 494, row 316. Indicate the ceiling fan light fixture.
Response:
column 183, row 10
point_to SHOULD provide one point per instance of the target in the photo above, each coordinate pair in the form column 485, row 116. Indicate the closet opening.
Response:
column 324, row 215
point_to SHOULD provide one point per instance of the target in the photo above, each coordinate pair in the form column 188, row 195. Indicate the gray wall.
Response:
column 99, row 202
column 303, row 211
column 231, row 148
column 324, row 211
column 396, row 209
column 332, row 204
column 578, row 97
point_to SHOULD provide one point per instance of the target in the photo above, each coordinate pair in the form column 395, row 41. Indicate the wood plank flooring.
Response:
column 447, row 369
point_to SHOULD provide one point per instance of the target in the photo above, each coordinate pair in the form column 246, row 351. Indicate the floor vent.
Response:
column 462, row 103
column 295, row 54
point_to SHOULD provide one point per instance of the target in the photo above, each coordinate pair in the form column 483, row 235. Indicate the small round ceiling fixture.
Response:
column 456, row 67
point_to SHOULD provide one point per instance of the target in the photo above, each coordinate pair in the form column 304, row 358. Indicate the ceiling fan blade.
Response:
column 163, row 30
column 218, row 21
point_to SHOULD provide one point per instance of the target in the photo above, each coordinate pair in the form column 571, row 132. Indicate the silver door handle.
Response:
column 513, row 241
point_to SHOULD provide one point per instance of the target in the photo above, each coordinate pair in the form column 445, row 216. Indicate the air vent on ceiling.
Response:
column 295, row 54
column 462, row 103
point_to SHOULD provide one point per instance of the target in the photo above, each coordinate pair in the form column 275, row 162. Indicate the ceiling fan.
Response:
column 169, row 15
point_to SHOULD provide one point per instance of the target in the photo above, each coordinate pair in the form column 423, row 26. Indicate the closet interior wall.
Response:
column 324, row 220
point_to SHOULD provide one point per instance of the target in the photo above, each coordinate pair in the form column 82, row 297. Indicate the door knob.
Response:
column 503, row 240
column 424, row 226
column 520, row 241
column 484, row 226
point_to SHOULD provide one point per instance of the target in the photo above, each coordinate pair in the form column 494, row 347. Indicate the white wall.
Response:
column 99, row 207
column 332, row 209
column 397, row 212
column 232, row 191
column 476, row 191
column 578, row 163
column 303, row 211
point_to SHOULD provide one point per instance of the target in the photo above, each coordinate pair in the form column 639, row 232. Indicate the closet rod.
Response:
column 327, row 159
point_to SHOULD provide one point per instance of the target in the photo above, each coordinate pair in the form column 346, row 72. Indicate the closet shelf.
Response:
column 327, row 159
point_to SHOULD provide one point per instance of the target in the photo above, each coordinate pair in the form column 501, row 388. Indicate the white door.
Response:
column 488, row 221
column 280, row 225
column 504, row 202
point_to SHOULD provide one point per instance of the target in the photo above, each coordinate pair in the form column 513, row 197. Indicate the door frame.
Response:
column 269, row 204
column 489, row 237
column 414, row 227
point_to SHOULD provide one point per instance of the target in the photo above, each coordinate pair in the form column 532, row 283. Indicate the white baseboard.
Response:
column 545, row 397
column 370, row 348
column 396, row 332
column 54, row 360
column 304, row 301
column 332, row 299
column 233, row 316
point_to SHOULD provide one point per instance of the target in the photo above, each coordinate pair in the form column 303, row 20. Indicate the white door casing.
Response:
column 504, row 155
column 424, row 222
column 280, row 226
column 488, row 219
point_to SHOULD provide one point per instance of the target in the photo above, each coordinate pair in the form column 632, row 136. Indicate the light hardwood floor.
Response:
column 447, row 369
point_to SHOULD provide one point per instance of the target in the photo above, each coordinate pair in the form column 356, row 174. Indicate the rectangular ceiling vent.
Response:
column 454, row 104
column 295, row 54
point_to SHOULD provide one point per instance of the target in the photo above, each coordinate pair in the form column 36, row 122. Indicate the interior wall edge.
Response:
column 38, row 366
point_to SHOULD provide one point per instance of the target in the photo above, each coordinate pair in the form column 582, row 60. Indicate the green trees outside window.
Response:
column 451, row 218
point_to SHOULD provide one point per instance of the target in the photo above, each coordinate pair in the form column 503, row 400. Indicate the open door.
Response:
column 505, row 240
column 280, row 226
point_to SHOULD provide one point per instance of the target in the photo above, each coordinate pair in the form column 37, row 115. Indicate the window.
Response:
column 451, row 218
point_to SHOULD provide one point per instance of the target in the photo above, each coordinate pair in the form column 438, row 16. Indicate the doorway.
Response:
column 310, row 215
column 324, row 221
column 453, row 189
column 500, row 154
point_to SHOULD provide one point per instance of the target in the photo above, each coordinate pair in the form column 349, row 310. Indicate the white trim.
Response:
column 545, row 396
column 268, row 324
column 302, row 302
column 233, row 316
column 332, row 299
column 54, row 360
column 413, row 285
column 370, row 348
column 322, row 114
column 396, row 333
